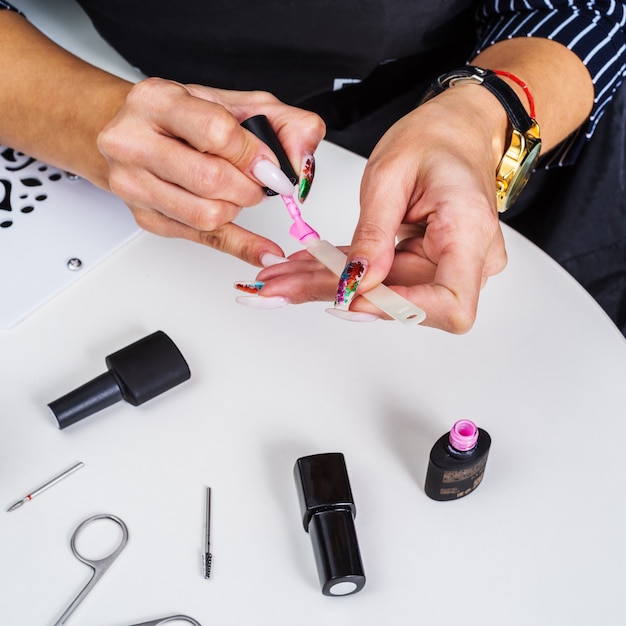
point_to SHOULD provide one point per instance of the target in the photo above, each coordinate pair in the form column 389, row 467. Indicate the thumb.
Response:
column 374, row 239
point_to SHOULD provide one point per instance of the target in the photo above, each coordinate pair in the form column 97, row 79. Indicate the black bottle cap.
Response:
column 260, row 126
column 136, row 373
column 328, row 513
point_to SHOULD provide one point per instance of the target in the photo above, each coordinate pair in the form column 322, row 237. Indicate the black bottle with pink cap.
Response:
column 457, row 462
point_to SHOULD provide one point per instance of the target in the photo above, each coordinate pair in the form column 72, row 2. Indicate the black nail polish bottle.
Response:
column 328, row 513
column 260, row 126
column 457, row 462
column 136, row 373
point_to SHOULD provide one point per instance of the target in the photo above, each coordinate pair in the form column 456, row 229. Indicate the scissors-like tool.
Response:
column 171, row 618
column 100, row 566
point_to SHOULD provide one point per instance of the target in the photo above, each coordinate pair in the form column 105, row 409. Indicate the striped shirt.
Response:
column 594, row 31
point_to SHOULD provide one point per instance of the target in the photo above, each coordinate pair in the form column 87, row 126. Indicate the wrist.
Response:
column 524, row 142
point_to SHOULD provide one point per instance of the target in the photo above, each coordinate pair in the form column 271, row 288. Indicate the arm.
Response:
column 430, row 180
column 176, row 154
column 54, row 110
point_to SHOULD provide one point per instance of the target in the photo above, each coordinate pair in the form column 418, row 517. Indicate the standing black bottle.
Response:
column 457, row 462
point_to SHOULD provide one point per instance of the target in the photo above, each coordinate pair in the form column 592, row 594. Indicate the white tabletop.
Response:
column 541, row 541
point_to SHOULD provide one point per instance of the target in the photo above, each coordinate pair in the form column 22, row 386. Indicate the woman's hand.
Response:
column 428, row 225
column 181, row 161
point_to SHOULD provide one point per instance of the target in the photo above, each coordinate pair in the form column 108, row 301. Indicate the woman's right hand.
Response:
column 180, row 160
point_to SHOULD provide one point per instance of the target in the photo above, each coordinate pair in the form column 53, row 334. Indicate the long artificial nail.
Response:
column 352, row 316
column 348, row 283
column 268, row 259
column 273, row 177
column 259, row 302
column 307, row 172
column 250, row 287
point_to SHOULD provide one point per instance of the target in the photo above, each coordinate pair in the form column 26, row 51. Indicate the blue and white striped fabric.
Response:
column 594, row 31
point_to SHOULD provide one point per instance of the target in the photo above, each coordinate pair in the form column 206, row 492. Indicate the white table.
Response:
column 540, row 542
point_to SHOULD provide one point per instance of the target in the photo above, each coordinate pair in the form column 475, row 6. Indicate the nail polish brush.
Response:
column 386, row 299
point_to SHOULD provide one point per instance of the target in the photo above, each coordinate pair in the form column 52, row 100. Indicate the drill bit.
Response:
column 47, row 485
column 207, row 557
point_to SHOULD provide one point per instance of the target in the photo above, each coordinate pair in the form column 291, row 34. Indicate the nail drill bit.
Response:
column 207, row 557
column 52, row 481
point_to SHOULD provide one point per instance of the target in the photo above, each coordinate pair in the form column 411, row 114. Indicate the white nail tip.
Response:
column 352, row 316
column 259, row 302
column 268, row 259
column 273, row 177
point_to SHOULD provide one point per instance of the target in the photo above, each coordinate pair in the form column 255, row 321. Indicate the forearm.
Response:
column 592, row 29
column 53, row 103
column 557, row 79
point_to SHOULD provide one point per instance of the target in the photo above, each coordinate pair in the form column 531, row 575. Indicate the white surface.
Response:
column 541, row 541
column 73, row 220
column 88, row 225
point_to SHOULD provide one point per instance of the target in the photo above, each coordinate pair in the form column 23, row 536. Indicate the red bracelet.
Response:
column 523, row 85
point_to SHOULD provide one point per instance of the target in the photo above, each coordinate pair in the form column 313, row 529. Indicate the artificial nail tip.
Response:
column 252, row 287
column 259, row 302
column 273, row 177
column 269, row 258
column 352, row 316
column 306, row 177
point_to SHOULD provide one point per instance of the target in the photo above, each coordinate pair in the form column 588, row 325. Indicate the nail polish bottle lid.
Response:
column 136, row 373
column 328, row 513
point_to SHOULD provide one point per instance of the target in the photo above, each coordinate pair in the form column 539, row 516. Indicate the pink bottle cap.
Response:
column 463, row 435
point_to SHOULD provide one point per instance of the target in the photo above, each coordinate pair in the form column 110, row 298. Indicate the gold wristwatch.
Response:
column 521, row 156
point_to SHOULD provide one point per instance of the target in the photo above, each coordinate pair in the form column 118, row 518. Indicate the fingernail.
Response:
column 259, row 302
column 307, row 172
column 352, row 316
column 349, row 282
column 249, row 287
column 268, row 259
column 272, row 177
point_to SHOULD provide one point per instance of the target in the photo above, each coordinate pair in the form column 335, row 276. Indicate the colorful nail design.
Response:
column 251, row 287
column 349, row 283
column 307, row 172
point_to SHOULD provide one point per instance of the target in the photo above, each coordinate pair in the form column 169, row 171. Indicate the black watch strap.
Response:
column 491, row 81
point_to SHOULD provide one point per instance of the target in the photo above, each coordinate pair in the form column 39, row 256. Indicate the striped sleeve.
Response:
column 593, row 30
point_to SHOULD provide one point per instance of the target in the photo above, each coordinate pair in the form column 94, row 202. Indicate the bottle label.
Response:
column 459, row 483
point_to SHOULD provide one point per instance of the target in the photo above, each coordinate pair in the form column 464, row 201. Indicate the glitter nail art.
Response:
column 307, row 172
column 348, row 283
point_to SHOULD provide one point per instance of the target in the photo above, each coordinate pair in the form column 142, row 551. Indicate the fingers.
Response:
column 439, row 198
column 180, row 151
column 166, row 130
column 229, row 238
column 301, row 280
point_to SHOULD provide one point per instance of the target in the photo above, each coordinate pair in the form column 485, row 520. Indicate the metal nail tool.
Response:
column 100, row 566
column 207, row 557
column 52, row 481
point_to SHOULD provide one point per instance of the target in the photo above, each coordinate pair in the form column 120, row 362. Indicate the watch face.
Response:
column 516, row 166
